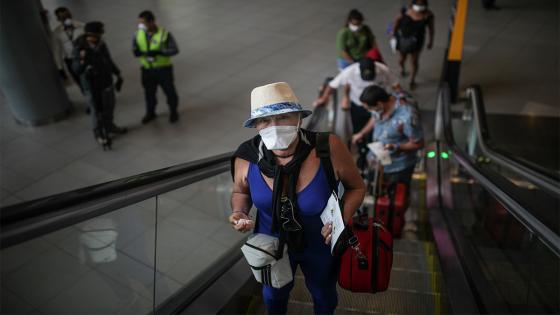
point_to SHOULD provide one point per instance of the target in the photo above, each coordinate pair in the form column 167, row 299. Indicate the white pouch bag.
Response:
column 259, row 251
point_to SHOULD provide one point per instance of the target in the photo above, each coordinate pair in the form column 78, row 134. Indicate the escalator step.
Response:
column 410, row 281
column 414, row 247
column 390, row 301
column 421, row 282
column 429, row 263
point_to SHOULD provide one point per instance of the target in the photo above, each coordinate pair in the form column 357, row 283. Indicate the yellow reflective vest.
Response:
column 153, row 45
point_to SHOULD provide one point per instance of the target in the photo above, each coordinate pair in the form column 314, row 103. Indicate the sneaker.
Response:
column 173, row 117
column 101, row 140
column 148, row 118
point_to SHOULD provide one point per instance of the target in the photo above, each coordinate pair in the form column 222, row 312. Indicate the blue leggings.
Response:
column 319, row 268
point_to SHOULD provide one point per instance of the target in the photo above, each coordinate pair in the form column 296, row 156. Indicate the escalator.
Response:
column 159, row 242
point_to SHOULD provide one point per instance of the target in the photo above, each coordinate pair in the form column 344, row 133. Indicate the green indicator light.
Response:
column 444, row 155
column 431, row 154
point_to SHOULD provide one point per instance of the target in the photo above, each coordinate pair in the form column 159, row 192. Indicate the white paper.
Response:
column 333, row 214
column 382, row 155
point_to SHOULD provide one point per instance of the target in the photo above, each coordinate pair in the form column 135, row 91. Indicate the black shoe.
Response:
column 173, row 117
column 118, row 130
column 88, row 110
column 148, row 118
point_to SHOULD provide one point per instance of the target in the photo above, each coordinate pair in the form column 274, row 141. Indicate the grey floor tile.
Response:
column 201, row 258
column 40, row 163
column 54, row 183
column 174, row 242
column 13, row 181
column 15, row 257
column 12, row 304
column 48, row 274
column 98, row 294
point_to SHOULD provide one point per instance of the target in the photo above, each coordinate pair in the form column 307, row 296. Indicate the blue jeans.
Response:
column 319, row 268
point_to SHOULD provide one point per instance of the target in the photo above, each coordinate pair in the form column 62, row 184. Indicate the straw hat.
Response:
column 273, row 99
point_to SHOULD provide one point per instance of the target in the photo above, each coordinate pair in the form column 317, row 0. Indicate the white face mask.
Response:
column 67, row 22
column 353, row 28
column 279, row 137
column 418, row 8
column 142, row 26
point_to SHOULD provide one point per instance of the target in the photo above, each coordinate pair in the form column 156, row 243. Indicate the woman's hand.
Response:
column 326, row 231
column 241, row 221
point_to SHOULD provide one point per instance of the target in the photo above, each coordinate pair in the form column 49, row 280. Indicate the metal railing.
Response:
column 540, row 230
column 544, row 182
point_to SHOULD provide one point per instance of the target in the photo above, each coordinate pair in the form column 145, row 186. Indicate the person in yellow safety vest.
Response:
column 154, row 46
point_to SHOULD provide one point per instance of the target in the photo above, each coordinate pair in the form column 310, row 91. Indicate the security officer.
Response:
column 154, row 45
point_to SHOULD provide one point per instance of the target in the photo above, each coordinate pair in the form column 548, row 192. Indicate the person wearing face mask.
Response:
column 153, row 46
column 354, row 40
column 280, row 165
column 354, row 79
column 397, row 126
column 409, row 29
column 93, row 62
column 63, row 36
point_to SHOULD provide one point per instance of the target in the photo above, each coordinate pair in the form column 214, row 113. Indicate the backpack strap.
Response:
column 323, row 152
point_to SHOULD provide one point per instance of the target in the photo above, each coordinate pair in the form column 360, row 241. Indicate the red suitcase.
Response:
column 367, row 267
column 390, row 208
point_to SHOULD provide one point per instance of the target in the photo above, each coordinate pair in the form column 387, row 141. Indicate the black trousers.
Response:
column 75, row 76
column 360, row 117
column 102, row 105
column 163, row 77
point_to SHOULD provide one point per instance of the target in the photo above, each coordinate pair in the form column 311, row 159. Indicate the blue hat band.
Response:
column 268, row 109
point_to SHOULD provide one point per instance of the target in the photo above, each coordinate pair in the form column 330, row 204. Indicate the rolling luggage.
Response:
column 390, row 208
column 366, row 267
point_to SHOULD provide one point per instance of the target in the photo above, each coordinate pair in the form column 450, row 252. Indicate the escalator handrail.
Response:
column 540, row 230
column 474, row 93
column 49, row 214
column 41, row 206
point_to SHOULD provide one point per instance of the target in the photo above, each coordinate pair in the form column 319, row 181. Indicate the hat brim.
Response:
column 250, row 123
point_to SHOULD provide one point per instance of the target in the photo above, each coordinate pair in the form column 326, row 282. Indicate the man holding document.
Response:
column 397, row 137
column 280, row 172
